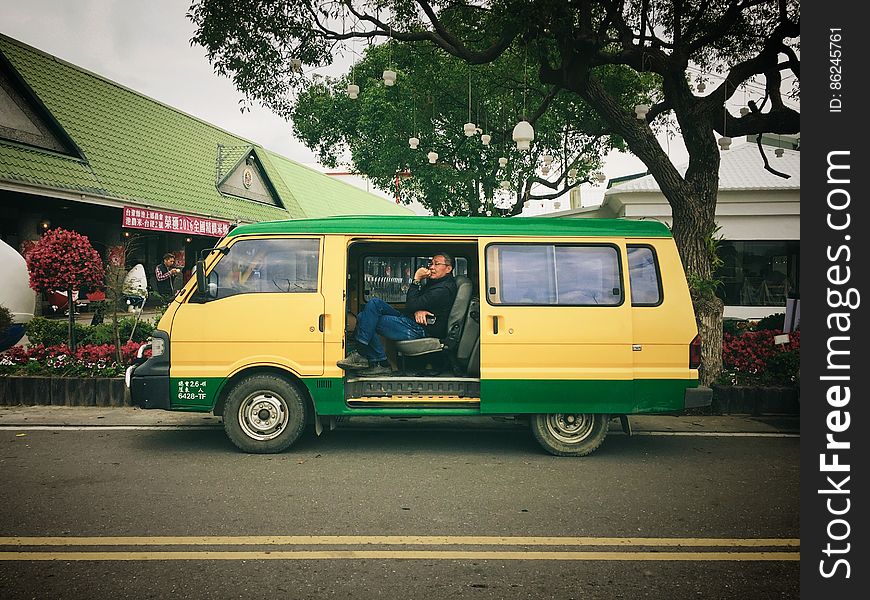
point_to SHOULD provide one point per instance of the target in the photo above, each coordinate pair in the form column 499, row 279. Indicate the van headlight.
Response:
column 158, row 346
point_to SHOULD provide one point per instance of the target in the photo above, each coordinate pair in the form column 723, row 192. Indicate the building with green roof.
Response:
column 82, row 152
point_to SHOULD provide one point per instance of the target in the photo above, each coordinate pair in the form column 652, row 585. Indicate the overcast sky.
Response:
column 145, row 45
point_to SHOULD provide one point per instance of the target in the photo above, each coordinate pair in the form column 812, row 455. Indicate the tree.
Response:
column 571, row 42
column 436, row 94
column 64, row 260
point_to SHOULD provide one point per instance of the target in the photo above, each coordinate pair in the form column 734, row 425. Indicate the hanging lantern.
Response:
column 640, row 111
column 433, row 157
column 744, row 111
column 725, row 142
column 413, row 142
column 524, row 133
column 572, row 173
column 505, row 185
column 779, row 152
column 502, row 162
column 353, row 91
column 296, row 64
column 389, row 77
column 548, row 160
column 545, row 169
column 485, row 139
column 557, row 205
column 600, row 177
column 470, row 129
column 701, row 87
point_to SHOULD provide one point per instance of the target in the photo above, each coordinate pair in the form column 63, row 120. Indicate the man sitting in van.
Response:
column 431, row 294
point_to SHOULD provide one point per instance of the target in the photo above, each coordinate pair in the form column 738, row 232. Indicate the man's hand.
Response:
column 420, row 316
column 421, row 273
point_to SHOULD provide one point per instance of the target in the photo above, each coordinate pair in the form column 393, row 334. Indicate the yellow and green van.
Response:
column 566, row 323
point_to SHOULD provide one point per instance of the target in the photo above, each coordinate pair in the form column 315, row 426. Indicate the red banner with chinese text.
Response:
column 158, row 220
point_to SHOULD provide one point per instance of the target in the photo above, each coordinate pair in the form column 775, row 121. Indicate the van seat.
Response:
column 455, row 325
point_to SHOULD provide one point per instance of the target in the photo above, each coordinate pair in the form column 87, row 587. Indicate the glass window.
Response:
column 758, row 273
column 388, row 277
column 553, row 275
column 643, row 276
column 267, row 266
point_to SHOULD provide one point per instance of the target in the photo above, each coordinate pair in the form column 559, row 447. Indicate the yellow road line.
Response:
column 402, row 555
column 308, row 540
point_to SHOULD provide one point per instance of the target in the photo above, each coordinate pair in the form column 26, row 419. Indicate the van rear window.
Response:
column 553, row 275
column 643, row 276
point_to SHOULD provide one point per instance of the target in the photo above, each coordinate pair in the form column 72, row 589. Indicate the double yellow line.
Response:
column 22, row 548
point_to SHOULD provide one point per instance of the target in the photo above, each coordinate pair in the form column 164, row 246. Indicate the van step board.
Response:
column 414, row 402
column 413, row 387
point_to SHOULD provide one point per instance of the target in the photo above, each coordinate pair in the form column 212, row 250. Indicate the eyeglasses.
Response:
column 437, row 264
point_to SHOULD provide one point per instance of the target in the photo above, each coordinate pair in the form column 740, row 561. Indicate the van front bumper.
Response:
column 148, row 380
column 698, row 397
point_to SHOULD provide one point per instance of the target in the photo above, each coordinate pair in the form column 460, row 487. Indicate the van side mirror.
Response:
column 201, row 286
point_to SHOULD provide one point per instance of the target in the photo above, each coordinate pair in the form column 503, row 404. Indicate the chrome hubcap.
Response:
column 263, row 416
column 570, row 428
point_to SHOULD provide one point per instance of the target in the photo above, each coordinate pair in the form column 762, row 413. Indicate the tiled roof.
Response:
column 740, row 168
column 141, row 152
column 321, row 196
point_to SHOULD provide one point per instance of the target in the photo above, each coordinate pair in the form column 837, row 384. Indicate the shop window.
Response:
column 758, row 273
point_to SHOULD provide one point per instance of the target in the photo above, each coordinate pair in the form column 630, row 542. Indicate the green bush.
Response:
column 5, row 317
column 51, row 332
column 771, row 322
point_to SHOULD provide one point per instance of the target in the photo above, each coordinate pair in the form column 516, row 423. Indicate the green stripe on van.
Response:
column 506, row 396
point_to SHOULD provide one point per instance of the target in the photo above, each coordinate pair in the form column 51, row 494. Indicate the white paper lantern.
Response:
column 600, row 177
column 744, row 111
column 485, row 139
column 640, row 111
column 389, row 77
column 470, row 129
column 296, row 64
column 524, row 133
column 779, row 152
column 572, row 173
column 353, row 91
column 433, row 157
column 725, row 142
column 502, row 162
column 413, row 142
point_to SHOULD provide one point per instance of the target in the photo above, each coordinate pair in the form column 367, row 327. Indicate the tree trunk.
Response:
column 72, row 319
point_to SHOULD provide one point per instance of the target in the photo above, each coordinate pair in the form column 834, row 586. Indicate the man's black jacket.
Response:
column 437, row 297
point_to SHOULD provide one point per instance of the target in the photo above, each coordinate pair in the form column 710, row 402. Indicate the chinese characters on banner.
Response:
column 158, row 220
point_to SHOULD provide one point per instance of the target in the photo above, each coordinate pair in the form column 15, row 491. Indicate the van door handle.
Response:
column 321, row 322
column 495, row 325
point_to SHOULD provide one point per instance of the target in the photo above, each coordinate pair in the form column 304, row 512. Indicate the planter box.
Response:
column 755, row 401
column 63, row 391
column 72, row 391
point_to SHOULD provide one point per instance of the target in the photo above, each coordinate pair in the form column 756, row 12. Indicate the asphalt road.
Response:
column 387, row 512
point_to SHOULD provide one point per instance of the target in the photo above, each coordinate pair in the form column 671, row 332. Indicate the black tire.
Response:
column 264, row 414
column 570, row 434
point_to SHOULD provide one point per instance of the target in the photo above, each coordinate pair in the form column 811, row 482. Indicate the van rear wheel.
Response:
column 570, row 434
column 264, row 414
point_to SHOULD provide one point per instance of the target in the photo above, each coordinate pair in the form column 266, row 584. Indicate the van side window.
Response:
column 643, row 276
column 267, row 266
column 547, row 274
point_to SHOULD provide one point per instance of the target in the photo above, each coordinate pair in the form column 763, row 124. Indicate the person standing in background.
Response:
column 166, row 274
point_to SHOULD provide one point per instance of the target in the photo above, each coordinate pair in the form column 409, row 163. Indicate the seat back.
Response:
column 468, row 352
column 456, row 318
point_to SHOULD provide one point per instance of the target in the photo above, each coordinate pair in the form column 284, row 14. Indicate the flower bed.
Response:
column 90, row 376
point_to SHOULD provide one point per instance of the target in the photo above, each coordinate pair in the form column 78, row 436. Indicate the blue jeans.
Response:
column 378, row 317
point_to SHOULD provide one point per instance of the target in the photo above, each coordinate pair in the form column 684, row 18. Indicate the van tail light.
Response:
column 695, row 352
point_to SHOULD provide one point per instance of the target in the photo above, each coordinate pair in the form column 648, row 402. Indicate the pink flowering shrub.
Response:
column 58, row 361
column 752, row 358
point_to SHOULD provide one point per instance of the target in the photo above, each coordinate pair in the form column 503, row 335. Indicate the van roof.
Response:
column 462, row 226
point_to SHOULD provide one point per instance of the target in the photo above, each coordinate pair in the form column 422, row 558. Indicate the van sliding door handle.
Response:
column 321, row 322
column 495, row 325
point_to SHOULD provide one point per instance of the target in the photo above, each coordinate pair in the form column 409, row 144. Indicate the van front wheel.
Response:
column 570, row 434
column 264, row 414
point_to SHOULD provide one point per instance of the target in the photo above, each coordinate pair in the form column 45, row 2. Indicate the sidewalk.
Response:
column 12, row 416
